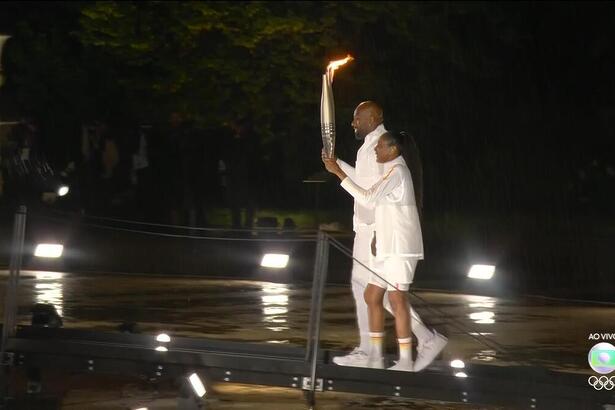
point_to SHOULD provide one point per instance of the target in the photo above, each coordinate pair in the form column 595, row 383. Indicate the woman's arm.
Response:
column 368, row 197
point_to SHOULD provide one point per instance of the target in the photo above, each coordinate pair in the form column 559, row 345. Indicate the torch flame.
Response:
column 334, row 65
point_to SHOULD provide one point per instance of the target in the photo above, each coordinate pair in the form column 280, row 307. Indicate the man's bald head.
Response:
column 372, row 109
column 367, row 116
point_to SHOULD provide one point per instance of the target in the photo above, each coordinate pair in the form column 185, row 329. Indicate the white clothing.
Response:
column 361, row 251
column 396, row 274
column 360, row 279
column 365, row 173
column 398, row 229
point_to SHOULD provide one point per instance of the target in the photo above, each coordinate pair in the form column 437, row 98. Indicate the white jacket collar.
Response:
column 375, row 134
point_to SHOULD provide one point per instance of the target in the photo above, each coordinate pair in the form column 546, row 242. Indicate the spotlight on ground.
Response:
column 274, row 260
column 63, row 190
column 48, row 250
column 484, row 272
column 161, row 349
column 163, row 338
column 197, row 385
column 141, row 408
column 461, row 374
column 458, row 364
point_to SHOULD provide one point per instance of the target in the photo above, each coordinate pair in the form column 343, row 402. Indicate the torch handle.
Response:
column 328, row 138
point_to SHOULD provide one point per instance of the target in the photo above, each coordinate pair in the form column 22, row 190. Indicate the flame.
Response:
column 334, row 65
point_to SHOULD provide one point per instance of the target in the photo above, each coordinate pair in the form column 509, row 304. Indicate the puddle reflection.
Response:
column 49, row 290
column 485, row 356
column 275, row 308
column 483, row 317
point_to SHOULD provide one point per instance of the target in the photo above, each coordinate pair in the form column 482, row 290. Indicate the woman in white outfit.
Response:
column 397, row 245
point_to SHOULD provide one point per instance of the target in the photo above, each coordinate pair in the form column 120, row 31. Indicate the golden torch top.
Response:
column 334, row 65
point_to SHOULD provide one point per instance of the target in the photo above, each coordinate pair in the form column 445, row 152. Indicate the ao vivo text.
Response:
column 601, row 336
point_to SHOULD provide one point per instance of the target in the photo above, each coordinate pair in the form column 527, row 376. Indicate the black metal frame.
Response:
column 283, row 366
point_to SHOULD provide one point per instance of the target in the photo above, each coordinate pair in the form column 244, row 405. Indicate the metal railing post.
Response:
column 318, row 285
column 10, row 298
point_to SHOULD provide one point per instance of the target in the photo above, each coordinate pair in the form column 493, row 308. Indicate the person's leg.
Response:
column 399, row 304
column 360, row 278
column 358, row 289
column 419, row 329
column 359, row 281
column 373, row 298
column 430, row 344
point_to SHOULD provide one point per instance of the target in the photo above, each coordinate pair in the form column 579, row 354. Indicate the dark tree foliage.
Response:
column 497, row 94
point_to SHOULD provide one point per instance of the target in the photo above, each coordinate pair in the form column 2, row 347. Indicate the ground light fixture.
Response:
column 162, row 338
column 197, row 385
column 63, row 190
column 483, row 272
column 48, row 250
column 457, row 364
column 274, row 260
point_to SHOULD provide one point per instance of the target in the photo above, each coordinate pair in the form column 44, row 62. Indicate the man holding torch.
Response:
column 368, row 126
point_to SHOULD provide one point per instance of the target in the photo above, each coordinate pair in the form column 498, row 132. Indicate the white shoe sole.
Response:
column 401, row 368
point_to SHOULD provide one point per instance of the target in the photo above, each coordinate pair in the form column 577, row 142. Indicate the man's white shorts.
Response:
column 394, row 273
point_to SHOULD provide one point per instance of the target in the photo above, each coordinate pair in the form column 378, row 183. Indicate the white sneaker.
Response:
column 375, row 362
column 402, row 367
column 356, row 356
column 427, row 351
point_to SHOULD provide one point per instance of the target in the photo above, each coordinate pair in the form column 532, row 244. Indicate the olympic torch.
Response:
column 327, row 107
column 3, row 39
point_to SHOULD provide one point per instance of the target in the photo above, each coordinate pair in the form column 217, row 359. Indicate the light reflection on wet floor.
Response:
column 534, row 331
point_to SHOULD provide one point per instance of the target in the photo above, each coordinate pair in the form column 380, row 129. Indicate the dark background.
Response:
column 511, row 104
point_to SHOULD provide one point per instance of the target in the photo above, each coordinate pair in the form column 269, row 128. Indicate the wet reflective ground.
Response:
column 549, row 333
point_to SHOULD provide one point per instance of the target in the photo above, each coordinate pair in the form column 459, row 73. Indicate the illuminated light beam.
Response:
column 483, row 272
column 48, row 250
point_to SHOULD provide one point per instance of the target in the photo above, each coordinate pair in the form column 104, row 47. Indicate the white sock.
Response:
column 375, row 344
column 405, row 346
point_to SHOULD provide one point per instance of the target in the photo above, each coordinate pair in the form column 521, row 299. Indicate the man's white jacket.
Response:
column 365, row 173
column 398, row 229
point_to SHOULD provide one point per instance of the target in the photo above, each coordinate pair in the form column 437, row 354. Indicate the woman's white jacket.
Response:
column 398, row 229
